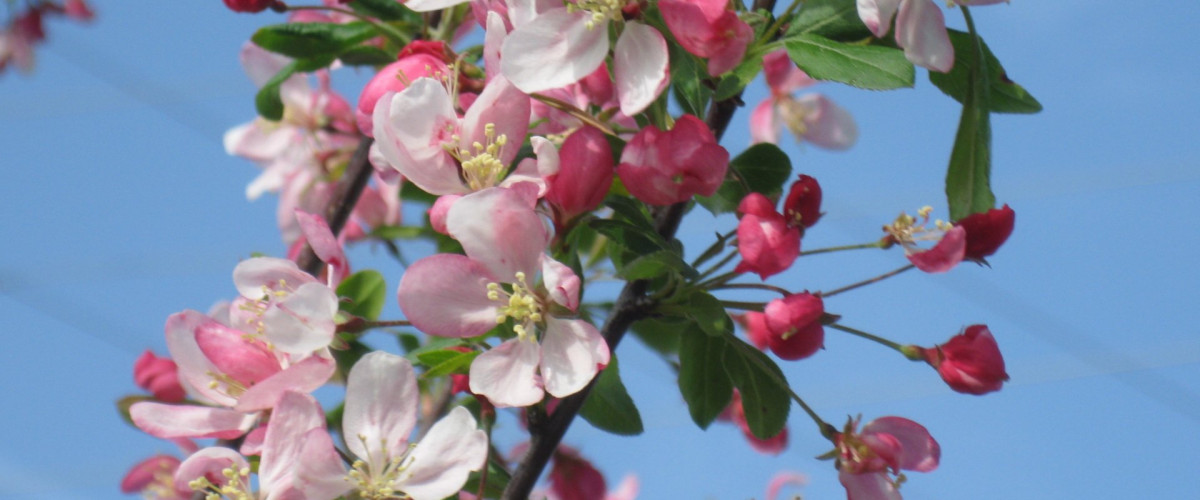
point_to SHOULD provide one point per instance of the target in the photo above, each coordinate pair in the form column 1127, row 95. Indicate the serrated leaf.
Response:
column 446, row 361
column 764, row 401
column 300, row 40
column 761, row 168
column 267, row 101
column 384, row 10
column 609, row 407
column 968, row 177
column 367, row 292
column 365, row 55
column 703, row 380
column 864, row 66
column 708, row 314
column 1003, row 95
column 833, row 19
column 687, row 77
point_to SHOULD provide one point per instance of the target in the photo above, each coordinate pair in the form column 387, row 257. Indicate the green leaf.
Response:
column 703, row 381
column 398, row 232
column 630, row 210
column 653, row 265
column 761, row 168
column 367, row 292
column 1003, row 95
column 628, row 240
column 384, row 10
column 833, row 19
column 609, row 407
column 365, row 55
column 864, row 66
column 661, row 334
column 432, row 344
column 968, row 184
column 709, row 314
column 300, row 40
column 446, row 361
column 267, row 100
column 737, row 79
column 687, row 77
column 764, row 400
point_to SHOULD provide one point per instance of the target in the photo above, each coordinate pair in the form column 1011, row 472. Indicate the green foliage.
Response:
column 267, row 100
column 347, row 356
column 446, row 361
column 1003, row 95
column 367, row 293
column 661, row 334
column 304, row 40
column 497, row 480
column 968, row 186
column 636, row 249
column 702, row 379
column 609, row 407
column 687, row 82
column 870, row 67
column 833, row 19
column 365, row 55
column 737, row 79
column 385, row 10
column 708, row 314
column 765, row 398
column 761, row 168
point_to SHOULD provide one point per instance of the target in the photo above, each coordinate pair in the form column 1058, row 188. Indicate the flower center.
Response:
column 601, row 10
column 379, row 485
column 236, row 487
column 908, row 230
column 521, row 304
column 793, row 112
column 481, row 165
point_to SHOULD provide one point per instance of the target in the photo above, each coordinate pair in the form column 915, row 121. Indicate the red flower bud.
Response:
column 794, row 323
column 987, row 231
column 970, row 362
column 802, row 207
column 160, row 376
column 766, row 243
column 249, row 5
column 585, row 173
column 575, row 478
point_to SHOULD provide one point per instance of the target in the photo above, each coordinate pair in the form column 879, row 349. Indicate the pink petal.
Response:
column 414, row 147
column 440, row 463
column 572, row 353
column 293, row 418
column 828, row 125
column 208, row 463
column 764, row 127
column 174, row 421
column 733, row 35
column 305, row 376
column 555, row 49
column 782, row 479
column 324, row 244
column 253, row 442
column 561, row 282
column 945, row 255
column 142, row 475
column 535, row 171
column 503, row 106
column 261, row 65
column 506, row 374
column 236, row 354
column 782, row 75
column 493, row 39
column 251, row 275
column 302, row 322
column 194, row 366
column 640, row 67
column 921, row 30
column 877, row 15
column 431, row 5
column 499, row 228
column 446, row 295
column 918, row 450
column 627, row 490
column 381, row 407
column 868, row 486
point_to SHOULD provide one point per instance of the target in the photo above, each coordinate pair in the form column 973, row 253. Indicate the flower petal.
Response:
column 572, row 353
column 381, row 407
column 640, row 65
column 877, row 15
column 324, row 244
column 555, row 49
column 446, row 295
column 251, row 276
column 868, row 486
column 499, row 228
column 302, row 322
column 764, row 126
column 174, row 421
column 506, row 109
column 431, row 5
column 918, row 450
column 561, row 282
column 305, row 376
column 208, row 463
column 439, row 465
column 921, row 30
column 194, row 366
column 414, row 147
column 945, row 255
column 506, row 374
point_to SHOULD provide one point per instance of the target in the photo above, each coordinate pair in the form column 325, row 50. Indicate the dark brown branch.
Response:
column 547, row 431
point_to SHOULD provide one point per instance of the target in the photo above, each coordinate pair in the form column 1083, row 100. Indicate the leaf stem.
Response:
column 755, row 286
column 865, row 282
column 747, row 306
column 873, row 244
column 868, row 336
column 715, row 267
column 570, row 109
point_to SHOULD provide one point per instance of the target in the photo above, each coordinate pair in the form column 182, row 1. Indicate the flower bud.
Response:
column 987, row 231
column 585, row 172
column 250, row 6
column 794, row 323
column 662, row 168
column 425, row 59
column 575, row 478
column 802, row 207
column 766, row 243
column 160, row 376
column 970, row 362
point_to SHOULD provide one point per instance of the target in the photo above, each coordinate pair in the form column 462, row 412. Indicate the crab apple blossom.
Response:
column 867, row 459
column 802, row 206
column 285, row 305
column 767, row 244
column 584, row 175
column 920, row 30
column 418, row 59
column 666, row 167
column 708, row 29
column 573, row 477
column 249, row 6
column 154, row 478
column 467, row 295
column 794, row 325
column 811, row 118
column 160, row 376
column 969, row 362
column 907, row 231
column 562, row 45
column 986, row 232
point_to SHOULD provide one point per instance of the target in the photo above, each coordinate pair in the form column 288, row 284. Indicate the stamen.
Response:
column 481, row 165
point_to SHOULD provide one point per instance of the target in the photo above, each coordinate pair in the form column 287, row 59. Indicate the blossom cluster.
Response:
column 545, row 156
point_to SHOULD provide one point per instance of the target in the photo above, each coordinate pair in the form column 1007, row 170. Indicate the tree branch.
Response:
column 546, row 432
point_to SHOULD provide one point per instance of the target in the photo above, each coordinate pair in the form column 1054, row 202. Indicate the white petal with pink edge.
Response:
column 305, row 376
column 555, row 49
column 921, row 30
column 446, row 295
column 499, row 228
column 175, row 421
column 640, row 67
column 572, row 353
column 439, row 465
column 506, row 374
column 381, row 407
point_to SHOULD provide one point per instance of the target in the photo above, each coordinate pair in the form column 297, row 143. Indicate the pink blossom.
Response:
column 249, row 6
column 784, row 478
column 154, row 478
column 908, row 231
column 662, row 168
column 465, row 296
column 708, row 29
column 325, row 245
column 969, row 362
column 160, row 376
column 766, row 243
column 920, row 30
column 418, row 59
column 802, row 206
column 584, row 176
column 986, row 231
column 884, row 447
column 284, row 304
column 573, row 477
column 736, row 413
column 561, row 46
column 794, row 325
column 811, row 118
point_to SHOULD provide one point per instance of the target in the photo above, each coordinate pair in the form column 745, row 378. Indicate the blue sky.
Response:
column 120, row 208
